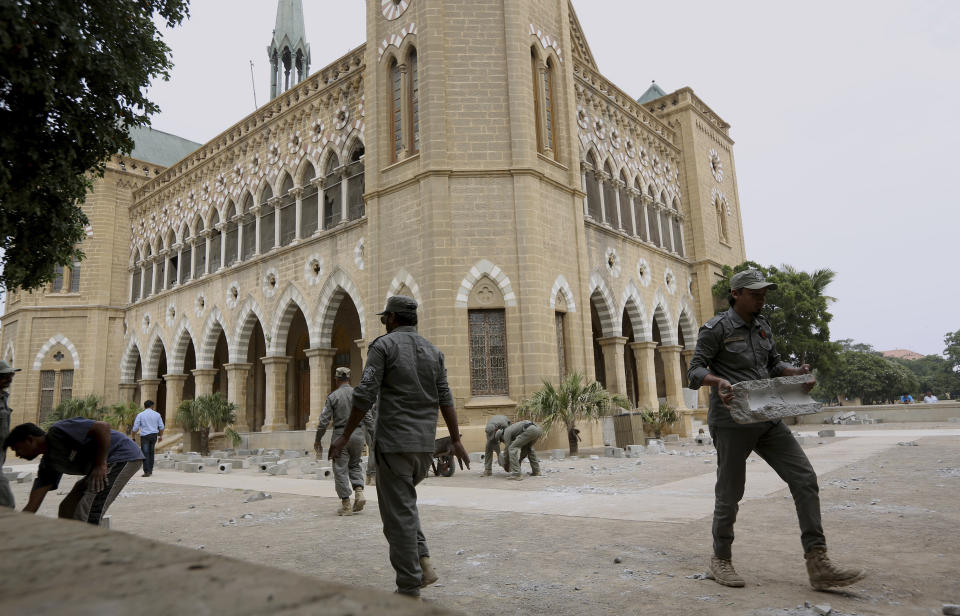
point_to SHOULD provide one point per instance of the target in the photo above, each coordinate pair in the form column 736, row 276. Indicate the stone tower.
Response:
column 288, row 52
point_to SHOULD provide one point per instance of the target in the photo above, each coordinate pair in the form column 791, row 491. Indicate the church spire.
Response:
column 289, row 53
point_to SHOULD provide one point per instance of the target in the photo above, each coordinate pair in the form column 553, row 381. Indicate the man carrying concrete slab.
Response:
column 408, row 374
column 735, row 346
column 107, row 459
column 518, row 441
column 347, row 471
column 497, row 422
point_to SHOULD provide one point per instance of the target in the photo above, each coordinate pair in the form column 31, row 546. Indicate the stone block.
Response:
column 224, row 467
column 671, row 438
column 291, row 453
column 324, row 472
column 236, row 462
column 9, row 473
column 269, row 459
column 950, row 609
column 277, row 469
column 608, row 451
column 655, row 445
column 210, row 461
column 219, row 454
column 244, row 452
column 635, row 450
column 476, row 456
column 825, row 433
column 954, row 420
column 558, row 454
column 178, row 466
column 704, row 440
column 105, row 521
column 165, row 465
column 613, row 452
column 192, row 467
column 263, row 466
column 24, row 477
column 767, row 399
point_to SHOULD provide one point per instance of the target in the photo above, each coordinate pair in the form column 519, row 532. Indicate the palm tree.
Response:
column 89, row 407
column 659, row 419
column 205, row 413
column 121, row 416
column 574, row 400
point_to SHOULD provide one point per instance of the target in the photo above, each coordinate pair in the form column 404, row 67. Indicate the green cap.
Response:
column 343, row 372
column 6, row 368
column 400, row 303
column 750, row 279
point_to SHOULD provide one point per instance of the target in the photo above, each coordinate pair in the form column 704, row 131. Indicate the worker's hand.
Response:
column 805, row 369
column 461, row 453
column 725, row 391
column 336, row 447
column 97, row 479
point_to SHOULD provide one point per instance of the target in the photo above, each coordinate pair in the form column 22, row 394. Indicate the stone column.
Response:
column 148, row 389
column 601, row 179
column 682, row 249
column 237, row 392
column 612, row 349
column 632, row 198
column 617, row 185
column 276, row 220
column 646, row 218
column 203, row 381
column 127, row 392
column 344, row 188
column 670, row 354
column 276, row 393
column 321, row 360
column 207, row 233
column 319, row 183
column 223, row 244
column 298, row 195
column 583, row 186
column 362, row 345
column 175, row 384
column 663, row 243
column 646, row 374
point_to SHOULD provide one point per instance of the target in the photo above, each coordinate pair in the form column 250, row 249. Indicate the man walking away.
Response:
column 497, row 422
column 6, row 379
column 107, row 459
column 735, row 346
column 347, row 472
column 149, row 424
column 408, row 374
column 518, row 439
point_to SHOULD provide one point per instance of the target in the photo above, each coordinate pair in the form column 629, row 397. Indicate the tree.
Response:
column 934, row 373
column 952, row 351
column 121, row 416
column 797, row 311
column 72, row 75
column 660, row 418
column 88, row 407
column 204, row 413
column 572, row 401
column 872, row 378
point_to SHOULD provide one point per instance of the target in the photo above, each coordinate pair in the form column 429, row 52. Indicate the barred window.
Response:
column 308, row 202
column 231, row 236
column 48, row 381
column 414, row 102
column 287, row 212
column 200, row 264
column 331, row 193
column 267, row 232
column 396, row 115
column 57, row 285
column 488, row 352
column 561, row 350
column 171, row 271
column 135, row 290
column 66, row 385
column 185, row 263
column 75, row 278
column 355, row 183
column 548, row 102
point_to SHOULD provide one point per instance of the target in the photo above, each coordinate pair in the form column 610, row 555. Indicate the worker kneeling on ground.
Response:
column 519, row 439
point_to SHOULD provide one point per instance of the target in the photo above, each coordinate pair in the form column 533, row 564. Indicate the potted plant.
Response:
column 205, row 413
column 657, row 420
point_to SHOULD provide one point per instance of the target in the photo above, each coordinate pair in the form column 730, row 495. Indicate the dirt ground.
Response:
column 896, row 513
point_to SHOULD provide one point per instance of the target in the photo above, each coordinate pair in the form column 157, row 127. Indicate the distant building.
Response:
column 472, row 157
column 902, row 354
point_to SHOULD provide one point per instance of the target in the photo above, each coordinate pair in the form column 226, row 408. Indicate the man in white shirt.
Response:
column 929, row 398
column 149, row 424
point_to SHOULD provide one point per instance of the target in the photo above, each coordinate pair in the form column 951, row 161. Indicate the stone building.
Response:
column 471, row 155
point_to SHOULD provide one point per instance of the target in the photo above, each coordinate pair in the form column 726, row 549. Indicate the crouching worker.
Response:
column 107, row 459
column 519, row 439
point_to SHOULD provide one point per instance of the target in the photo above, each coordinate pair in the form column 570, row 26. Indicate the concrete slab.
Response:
column 767, row 399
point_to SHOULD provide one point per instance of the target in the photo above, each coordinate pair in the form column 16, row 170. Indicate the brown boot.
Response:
column 429, row 575
column 723, row 572
column 824, row 574
column 358, row 499
column 345, row 507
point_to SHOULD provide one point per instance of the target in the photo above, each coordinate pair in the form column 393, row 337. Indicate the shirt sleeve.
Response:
column 160, row 425
column 443, row 388
column 708, row 345
column 324, row 420
column 136, row 423
column 47, row 476
column 775, row 363
column 365, row 394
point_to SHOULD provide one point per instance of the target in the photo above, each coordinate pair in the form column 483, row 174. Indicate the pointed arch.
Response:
column 128, row 361
column 208, row 341
column 286, row 307
column 661, row 314
column 404, row 279
column 483, row 268
column 181, row 341
column 560, row 285
column 632, row 304
column 155, row 345
column 305, row 166
column 605, row 305
column 688, row 325
column 49, row 344
column 249, row 314
column 337, row 285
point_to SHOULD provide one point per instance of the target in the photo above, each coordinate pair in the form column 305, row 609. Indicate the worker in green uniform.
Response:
column 497, row 422
column 518, row 439
column 408, row 374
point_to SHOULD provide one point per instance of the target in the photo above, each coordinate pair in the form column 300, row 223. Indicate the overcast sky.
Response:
column 841, row 114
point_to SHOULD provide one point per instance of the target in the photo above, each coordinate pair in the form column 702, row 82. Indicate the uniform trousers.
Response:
column 397, row 477
column 6, row 495
column 492, row 446
column 773, row 442
column 347, row 472
column 88, row 505
column 522, row 446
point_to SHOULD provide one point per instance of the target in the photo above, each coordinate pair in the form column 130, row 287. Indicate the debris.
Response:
column 594, row 467
column 594, row 457
column 698, row 576
column 822, row 610
column 908, row 443
column 230, row 522
column 460, row 552
column 618, row 560
column 259, row 496
column 951, row 609
column 826, row 433
column 247, row 516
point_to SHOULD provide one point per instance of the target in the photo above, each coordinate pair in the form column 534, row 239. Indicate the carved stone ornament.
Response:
column 392, row 9
column 716, row 165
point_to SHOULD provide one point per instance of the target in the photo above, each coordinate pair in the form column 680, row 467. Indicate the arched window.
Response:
column 537, row 112
column 721, row 220
column 413, row 101
column 215, row 241
column 267, row 232
column 157, row 268
column 287, row 212
column 186, row 258
column 248, row 228
column 666, row 241
column 331, row 192
column 200, row 250
column 137, row 278
column 593, row 188
column 231, row 235
column 355, row 182
column 395, row 119
column 549, row 108
column 610, row 197
column 626, row 209
column 677, row 228
column 640, row 211
column 148, row 272
column 308, row 202
column 172, row 261
column 653, row 216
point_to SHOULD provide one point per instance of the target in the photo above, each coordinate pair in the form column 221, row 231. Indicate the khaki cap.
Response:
column 6, row 368
column 750, row 279
column 342, row 373
column 400, row 303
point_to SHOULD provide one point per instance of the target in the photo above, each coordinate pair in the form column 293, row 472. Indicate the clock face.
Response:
column 392, row 9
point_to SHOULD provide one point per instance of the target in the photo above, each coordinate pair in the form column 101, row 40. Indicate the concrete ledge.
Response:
column 940, row 411
column 57, row 567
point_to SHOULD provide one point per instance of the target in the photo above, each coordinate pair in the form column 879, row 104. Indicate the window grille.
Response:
column 308, row 211
column 488, row 352
column 57, row 285
column 548, row 103
column 215, row 251
column 248, row 239
column 75, row 278
column 355, row 184
column 331, row 193
column 48, row 380
column 414, row 103
column 200, row 265
column 66, row 385
column 396, row 115
column 135, row 291
column 185, row 260
column 561, row 349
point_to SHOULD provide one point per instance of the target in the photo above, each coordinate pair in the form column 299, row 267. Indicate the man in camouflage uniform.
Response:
column 735, row 346
column 497, row 422
column 6, row 379
column 408, row 374
column 519, row 439
column 347, row 471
